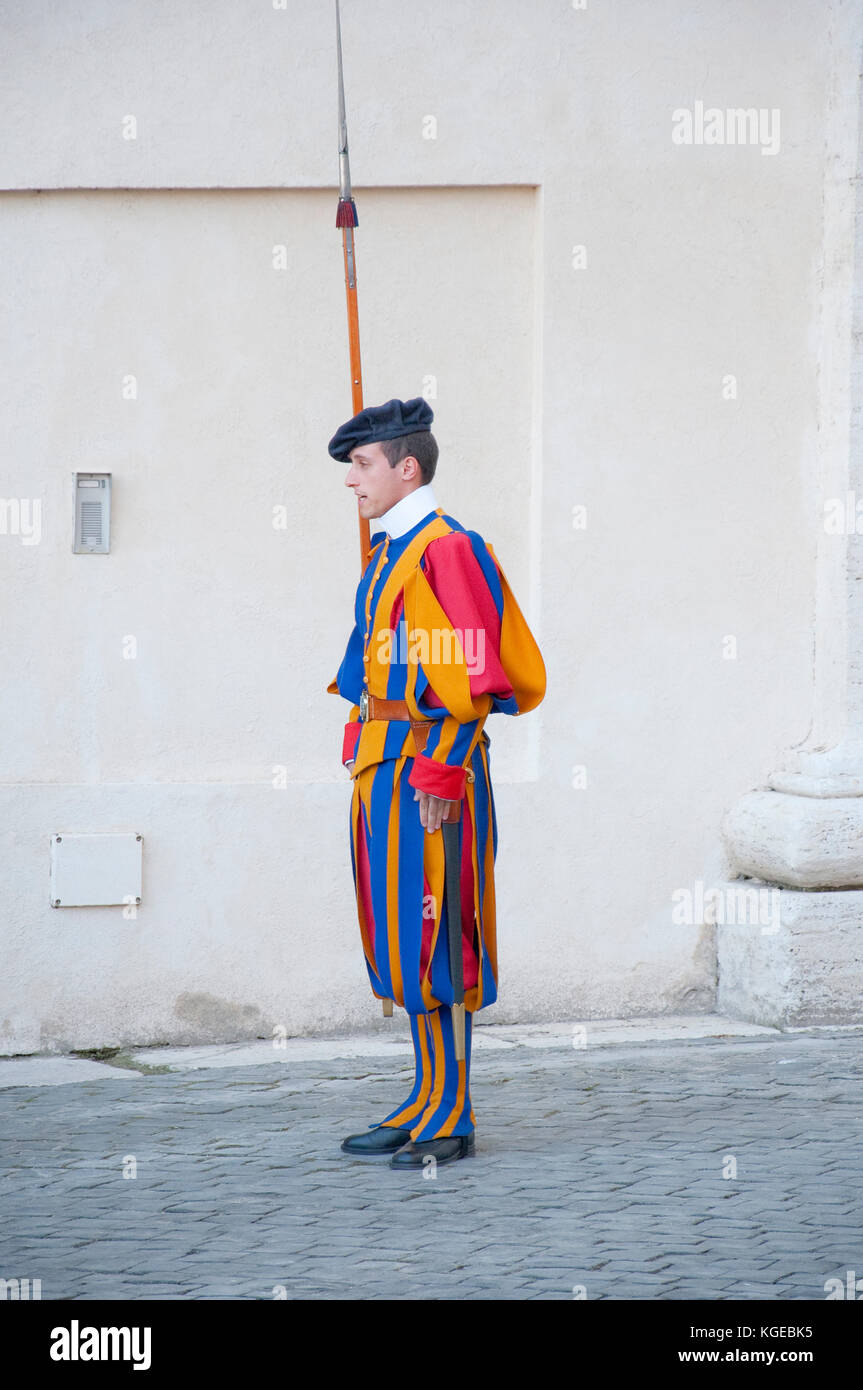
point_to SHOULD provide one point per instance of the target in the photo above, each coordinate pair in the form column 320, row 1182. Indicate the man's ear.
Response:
column 412, row 472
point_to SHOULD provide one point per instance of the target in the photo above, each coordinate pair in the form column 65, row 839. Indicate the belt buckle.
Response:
column 364, row 705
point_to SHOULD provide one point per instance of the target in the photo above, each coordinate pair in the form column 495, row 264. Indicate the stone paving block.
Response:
column 237, row 1191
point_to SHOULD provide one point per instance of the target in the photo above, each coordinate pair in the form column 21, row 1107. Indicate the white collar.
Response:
column 409, row 510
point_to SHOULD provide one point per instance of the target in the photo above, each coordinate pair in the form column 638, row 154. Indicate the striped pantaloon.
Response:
column 399, row 879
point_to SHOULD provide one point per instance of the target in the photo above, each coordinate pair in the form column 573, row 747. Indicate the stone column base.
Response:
column 802, row 841
column 801, row 965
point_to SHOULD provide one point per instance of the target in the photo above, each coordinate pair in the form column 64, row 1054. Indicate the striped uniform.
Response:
column 436, row 626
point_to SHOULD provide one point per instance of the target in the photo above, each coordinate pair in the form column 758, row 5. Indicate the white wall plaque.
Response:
column 95, row 870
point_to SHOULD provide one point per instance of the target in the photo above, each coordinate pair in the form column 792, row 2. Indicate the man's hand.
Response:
column 350, row 765
column 432, row 810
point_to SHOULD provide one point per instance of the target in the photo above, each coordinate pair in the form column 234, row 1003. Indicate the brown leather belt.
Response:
column 372, row 707
column 390, row 709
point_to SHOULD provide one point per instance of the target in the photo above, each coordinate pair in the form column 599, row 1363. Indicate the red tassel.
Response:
column 347, row 213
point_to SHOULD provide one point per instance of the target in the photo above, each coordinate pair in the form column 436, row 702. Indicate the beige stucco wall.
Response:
column 553, row 387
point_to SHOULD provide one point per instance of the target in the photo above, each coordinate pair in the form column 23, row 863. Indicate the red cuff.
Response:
column 349, row 744
column 437, row 778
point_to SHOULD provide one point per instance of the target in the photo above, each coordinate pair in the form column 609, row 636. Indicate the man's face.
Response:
column 375, row 484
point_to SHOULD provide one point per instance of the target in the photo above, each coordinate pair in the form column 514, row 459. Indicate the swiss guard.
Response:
column 438, row 644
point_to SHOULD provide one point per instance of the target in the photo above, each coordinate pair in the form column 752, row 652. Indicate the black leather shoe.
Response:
column 376, row 1143
column 443, row 1150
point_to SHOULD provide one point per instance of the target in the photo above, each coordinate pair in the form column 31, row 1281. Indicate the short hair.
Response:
column 422, row 445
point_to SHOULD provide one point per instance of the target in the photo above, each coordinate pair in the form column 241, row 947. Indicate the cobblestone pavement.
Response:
column 611, row 1168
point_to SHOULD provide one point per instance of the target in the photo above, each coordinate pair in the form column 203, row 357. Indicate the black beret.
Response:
column 377, row 422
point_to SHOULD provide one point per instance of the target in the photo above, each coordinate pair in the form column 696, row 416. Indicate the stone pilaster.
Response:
column 803, row 832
